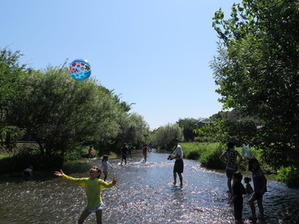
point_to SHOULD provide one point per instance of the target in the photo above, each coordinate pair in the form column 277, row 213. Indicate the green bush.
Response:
column 207, row 153
column 289, row 176
column 192, row 150
column 210, row 158
column 27, row 158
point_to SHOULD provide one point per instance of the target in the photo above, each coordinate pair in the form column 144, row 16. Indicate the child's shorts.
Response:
column 100, row 207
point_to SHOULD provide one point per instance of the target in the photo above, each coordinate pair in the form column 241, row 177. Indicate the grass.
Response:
column 207, row 153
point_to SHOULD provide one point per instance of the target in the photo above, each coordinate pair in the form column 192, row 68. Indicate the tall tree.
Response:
column 10, row 73
column 188, row 125
column 257, row 71
column 59, row 112
column 163, row 136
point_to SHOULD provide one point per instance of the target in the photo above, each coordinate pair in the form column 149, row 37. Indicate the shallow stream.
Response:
column 144, row 194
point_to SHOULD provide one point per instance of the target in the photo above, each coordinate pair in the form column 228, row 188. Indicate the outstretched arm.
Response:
column 222, row 159
column 108, row 184
column 59, row 173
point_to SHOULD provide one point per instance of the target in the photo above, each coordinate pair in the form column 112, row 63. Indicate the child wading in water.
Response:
column 92, row 187
column 248, row 186
column 237, row 196
column 260, row 187
column 105, row 166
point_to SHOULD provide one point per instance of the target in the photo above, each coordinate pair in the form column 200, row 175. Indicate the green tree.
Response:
column 163, row 136
column 257, row 71
column 224, row 130
column 188, row 125
column 60, row 113
column 133, row 130
column 10, row 73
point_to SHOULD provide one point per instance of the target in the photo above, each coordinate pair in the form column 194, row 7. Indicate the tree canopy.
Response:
column 257, row 71
column 61, row 114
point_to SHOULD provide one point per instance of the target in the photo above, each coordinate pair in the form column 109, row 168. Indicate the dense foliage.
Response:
column 230, row 127
column 189, row 125
column 163, row 137
column 61, row 114
column 257, row 72
column 10, row 73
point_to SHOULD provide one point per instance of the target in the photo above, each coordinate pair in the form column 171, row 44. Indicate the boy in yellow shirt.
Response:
column 92, row 187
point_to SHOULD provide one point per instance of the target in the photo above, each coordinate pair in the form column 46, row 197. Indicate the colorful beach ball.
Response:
column 80, row 70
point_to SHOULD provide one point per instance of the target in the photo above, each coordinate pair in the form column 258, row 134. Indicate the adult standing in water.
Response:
column 229, row 157
column 179, row 164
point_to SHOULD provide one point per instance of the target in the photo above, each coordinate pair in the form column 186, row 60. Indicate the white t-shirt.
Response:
column 178, row 152
column 105, row 165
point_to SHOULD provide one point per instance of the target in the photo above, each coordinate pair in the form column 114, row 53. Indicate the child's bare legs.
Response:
column 261, row 207
column 105, row 175
column 99, row 216
column 83, row 216
column 251, row 203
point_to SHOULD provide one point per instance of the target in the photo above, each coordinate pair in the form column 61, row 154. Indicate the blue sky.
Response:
column 153, row 53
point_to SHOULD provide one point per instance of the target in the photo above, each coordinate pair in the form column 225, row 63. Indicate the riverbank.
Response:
column 208, row 155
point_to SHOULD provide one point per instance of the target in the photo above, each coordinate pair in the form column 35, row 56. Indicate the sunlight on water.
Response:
column 144, row 194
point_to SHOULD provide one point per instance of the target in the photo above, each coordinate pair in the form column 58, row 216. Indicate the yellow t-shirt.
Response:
column 92, row 189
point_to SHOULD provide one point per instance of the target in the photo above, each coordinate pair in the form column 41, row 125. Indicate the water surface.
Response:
column 144, row 194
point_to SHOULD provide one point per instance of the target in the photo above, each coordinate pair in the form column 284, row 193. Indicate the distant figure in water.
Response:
column 144, row 152
column 248, row 186
column 90, row 152
column 229, row 157
column 237, row 196
column 260, row 187
column 124, row 153
column 92, row 187
column 28, row 173
column 105, row 166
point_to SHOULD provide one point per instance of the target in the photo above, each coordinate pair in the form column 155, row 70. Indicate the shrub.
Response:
column 210, row 158
column 192, row 150
column 289, row 176
column 27, row 158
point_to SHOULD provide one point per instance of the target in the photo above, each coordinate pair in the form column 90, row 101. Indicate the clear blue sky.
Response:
column 153, row 53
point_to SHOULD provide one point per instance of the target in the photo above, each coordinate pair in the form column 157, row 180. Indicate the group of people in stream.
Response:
column 231, row 157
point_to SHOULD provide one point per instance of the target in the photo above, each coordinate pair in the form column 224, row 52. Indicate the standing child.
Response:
column 237, row 196
column 248, row 186
column 92, row 187
column 260, row 187
column 105, row 166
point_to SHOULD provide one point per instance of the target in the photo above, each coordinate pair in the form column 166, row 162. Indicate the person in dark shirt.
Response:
column 260, row 187
column 230, row 158
column 237, row 196
column 124, row 153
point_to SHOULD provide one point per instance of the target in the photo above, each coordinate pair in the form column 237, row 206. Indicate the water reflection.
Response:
column 144, row 195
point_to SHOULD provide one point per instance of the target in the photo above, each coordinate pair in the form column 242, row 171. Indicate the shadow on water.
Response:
column 144, row 194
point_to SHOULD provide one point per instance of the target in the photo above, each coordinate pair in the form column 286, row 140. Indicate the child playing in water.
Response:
column 248, row 186
column 105, row 166
column 237, row 196
column 92, row 187
column 260, row 187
